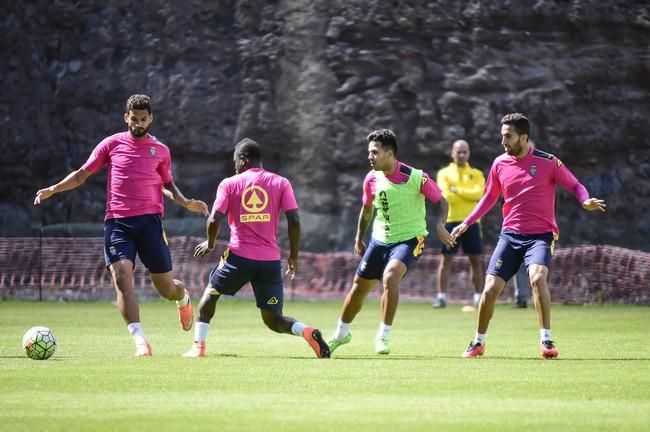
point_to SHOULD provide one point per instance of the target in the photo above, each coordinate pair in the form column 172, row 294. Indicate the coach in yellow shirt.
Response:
column 462, row 186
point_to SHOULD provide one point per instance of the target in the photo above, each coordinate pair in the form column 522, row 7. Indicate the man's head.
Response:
column 382, row 149
column 514, row 134
column 460, row 152
column 138, row 115
column 248, row 154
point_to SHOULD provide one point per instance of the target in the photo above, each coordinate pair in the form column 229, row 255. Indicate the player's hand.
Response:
column 594, row 204
column 444, row 236
column 458, row 231
column 202, row 249
column 292, row 267
column 359, row 248
column 43, row 194
column 197, row 206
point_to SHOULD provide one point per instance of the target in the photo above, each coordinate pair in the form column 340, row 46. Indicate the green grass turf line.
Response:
column 256, row 380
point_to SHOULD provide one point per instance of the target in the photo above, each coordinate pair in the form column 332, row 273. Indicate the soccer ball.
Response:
column 39, row 343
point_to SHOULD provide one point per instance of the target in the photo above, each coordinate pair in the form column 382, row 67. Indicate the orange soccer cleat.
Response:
column 548, row 349
column 186, row 315
column 143, row 350
column 197, row 350
column 315, row 340
column 474, row 349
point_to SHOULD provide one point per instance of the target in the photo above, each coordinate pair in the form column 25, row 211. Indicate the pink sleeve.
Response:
column 288, row 200
column 566, row 179
column 368, row 189
column 491, row 196
column 430, row 189
column 223, row 196
column 99, row 157
column 165, row 168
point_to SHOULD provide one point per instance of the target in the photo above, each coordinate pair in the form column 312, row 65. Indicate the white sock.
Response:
column 201, row 331
column 298, row 328
column 342, row 330
column 442, row 296
column 545, row 334
column 135, row 329
column 477, row 297
column 480, row 338
column 184, row 301
column 384, row 331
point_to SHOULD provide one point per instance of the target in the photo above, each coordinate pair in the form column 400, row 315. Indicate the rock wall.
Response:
column 308, row 80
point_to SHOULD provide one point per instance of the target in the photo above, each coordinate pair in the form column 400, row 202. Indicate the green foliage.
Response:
column 255, row 380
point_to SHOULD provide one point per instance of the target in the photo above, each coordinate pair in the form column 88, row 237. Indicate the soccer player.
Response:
column 397, row 191
column 462, row 186
column 139, row 173
column 253, row 199
column 526, row 177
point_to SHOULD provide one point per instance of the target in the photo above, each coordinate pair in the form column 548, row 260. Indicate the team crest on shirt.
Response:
column 152, row 151
column 254, row 200
column 533, row 170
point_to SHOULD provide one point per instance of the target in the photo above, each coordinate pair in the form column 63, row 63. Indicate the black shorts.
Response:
column 378, row 254
column 141, row 235
column 233, row 272
column 470, row 240
column 513, row 249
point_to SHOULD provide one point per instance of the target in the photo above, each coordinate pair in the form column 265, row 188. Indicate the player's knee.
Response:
column 491, row 293
column 272, row 321
column 538, row 280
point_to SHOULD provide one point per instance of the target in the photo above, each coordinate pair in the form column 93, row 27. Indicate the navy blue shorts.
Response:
column 141, row 235
column 470, row 240
column 513, row 249
column 378, row 254
column 233, row 272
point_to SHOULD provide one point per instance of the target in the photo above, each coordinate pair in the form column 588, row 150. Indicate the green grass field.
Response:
column 256, row 380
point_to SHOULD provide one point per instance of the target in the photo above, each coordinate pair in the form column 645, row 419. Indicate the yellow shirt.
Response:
column 467, row 183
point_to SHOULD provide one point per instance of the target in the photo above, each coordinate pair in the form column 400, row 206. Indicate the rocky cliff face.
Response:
column 309, row 80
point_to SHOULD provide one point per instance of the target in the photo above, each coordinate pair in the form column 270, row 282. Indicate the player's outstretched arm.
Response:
column 212, row 227
column 592, row 204
column 177, row 196
column 293, row 225
column 71, row 181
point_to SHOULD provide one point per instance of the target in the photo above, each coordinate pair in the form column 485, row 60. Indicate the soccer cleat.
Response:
column 185, row 314
column 334, row 343
column 474, row 349
column 143, row 350
column 197, row 350
column 439, row 304
column 381, row 346
column 521, row 304
column 548, row 349
column 315, row 340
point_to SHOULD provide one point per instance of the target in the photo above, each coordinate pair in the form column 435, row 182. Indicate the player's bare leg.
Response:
column 351, row 306
column 493, row 287
column 538, row 275
column 284, row 324
column 476, row 273
column 173, row 289
column 207, row 308
column 393, row 275
column 127, row 304
column 354, row 300
column 442, row 276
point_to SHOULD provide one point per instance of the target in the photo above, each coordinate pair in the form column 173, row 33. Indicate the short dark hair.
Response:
column 519, row 121
column 138, row 102
column 249, row 149
column 386, row 137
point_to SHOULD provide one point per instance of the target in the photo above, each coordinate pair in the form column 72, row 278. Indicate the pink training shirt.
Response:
column 528, row 188
column 254, row 201
column 401, row 175
column 137, row 170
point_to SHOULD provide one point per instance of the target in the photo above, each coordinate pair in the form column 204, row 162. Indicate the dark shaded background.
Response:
column 309, row 80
